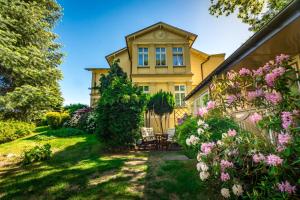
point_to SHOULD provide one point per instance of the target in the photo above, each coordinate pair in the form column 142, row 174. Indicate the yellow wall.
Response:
column 166, row 77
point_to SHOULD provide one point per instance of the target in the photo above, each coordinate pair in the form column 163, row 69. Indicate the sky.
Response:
column 91, row 29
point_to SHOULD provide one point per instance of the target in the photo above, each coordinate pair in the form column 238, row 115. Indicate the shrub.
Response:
column 246, row 165
column 56, row 119
column 83, row 119
column 37, row 153
column 217, row 125
column 72, row 108
column 183, row 131
column 119, row 111
column 12, row 130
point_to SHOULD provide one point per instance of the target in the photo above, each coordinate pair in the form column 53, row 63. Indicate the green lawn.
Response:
column 79, row 169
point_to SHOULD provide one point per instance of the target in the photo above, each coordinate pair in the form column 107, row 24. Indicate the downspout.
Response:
column 201, row 66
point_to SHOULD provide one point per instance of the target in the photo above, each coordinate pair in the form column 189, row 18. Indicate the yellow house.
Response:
column 280, row 35
column 161, row 57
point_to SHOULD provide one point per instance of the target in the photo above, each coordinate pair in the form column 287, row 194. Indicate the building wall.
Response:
column 165, row 77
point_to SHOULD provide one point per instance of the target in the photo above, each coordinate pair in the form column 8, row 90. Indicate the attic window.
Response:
column 143, row 56
column 177, row 56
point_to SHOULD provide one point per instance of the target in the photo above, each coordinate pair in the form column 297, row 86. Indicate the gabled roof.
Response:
column 282, row 20
column 115, row 53
column 177, row 30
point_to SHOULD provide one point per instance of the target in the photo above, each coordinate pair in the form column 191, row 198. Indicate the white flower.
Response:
column 237, row 190
column 204, row 175
column 200, row 131
column 225, row 193
column 205, row 126
column 220, row 143
column 188, row 141
column 194, row 139
column 201, row 166
column 200, row 122
column 199, row 156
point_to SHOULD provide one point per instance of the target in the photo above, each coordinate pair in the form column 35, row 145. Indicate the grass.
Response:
column 79, row 169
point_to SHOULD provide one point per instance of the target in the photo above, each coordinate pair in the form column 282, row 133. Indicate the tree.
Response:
column 162, row 104
column 114, row 71
column 29, row 58
column 72, row 108
column 254, row 12
column 120, row 110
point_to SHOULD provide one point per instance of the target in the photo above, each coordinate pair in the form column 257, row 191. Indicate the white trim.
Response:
column 143, row 53
column 160, row 55
column 182, row 102
column 178, row 53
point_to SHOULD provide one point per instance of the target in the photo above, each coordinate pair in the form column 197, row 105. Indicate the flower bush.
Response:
column 83, row 119
column 251, row 165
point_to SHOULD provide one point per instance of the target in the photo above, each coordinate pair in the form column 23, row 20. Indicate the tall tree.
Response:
column 256, row 13
column 120, row 109
column 29, row 58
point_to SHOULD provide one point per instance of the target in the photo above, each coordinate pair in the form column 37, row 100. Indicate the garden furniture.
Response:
column 148, row 137
column 171, row 139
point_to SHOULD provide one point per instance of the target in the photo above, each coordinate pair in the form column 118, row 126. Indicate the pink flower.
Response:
column 280, row 148
column 273, row 75
column 267, row 67
column 282, row 57
column 286, row 187
column 245, row 72
column 226, row 164
column 211, row 105
column 231, row 133
column 202, row 111
column 207, row 147
column 225, row 176
column 231, row 99
column 258, row 72
column 258, row 158
column 273, row 160
column 287, row 119
column 273, row 97
column 284, row 138
column 254, row 94
column 255, row 118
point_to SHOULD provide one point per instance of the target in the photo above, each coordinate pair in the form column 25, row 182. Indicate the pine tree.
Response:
column 29, row 58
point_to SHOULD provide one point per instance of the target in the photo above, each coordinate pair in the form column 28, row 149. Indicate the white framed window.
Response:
column 160, row 53
column 180, row 91
column 177, row 56
column 143, row 56
column 144, row 88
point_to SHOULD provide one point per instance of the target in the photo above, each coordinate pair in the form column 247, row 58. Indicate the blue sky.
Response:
column 91, row 29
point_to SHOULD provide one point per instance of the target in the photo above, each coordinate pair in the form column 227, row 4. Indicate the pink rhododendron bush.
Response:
column 263, row 164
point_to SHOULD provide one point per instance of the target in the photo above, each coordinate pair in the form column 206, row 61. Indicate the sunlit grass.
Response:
column 78, row 169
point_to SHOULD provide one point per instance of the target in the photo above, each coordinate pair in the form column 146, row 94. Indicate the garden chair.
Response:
column 171, row 136
column 148, row 137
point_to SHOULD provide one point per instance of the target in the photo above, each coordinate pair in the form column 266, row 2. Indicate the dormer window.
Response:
column 143, row 56
column 177, row 56
column 160, row 56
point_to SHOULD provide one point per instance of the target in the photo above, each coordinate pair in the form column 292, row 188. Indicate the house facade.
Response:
column 280, row 36
column 161, row 57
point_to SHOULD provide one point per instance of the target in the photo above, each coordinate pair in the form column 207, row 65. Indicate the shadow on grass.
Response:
column 77, row 172
column 65, row 175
